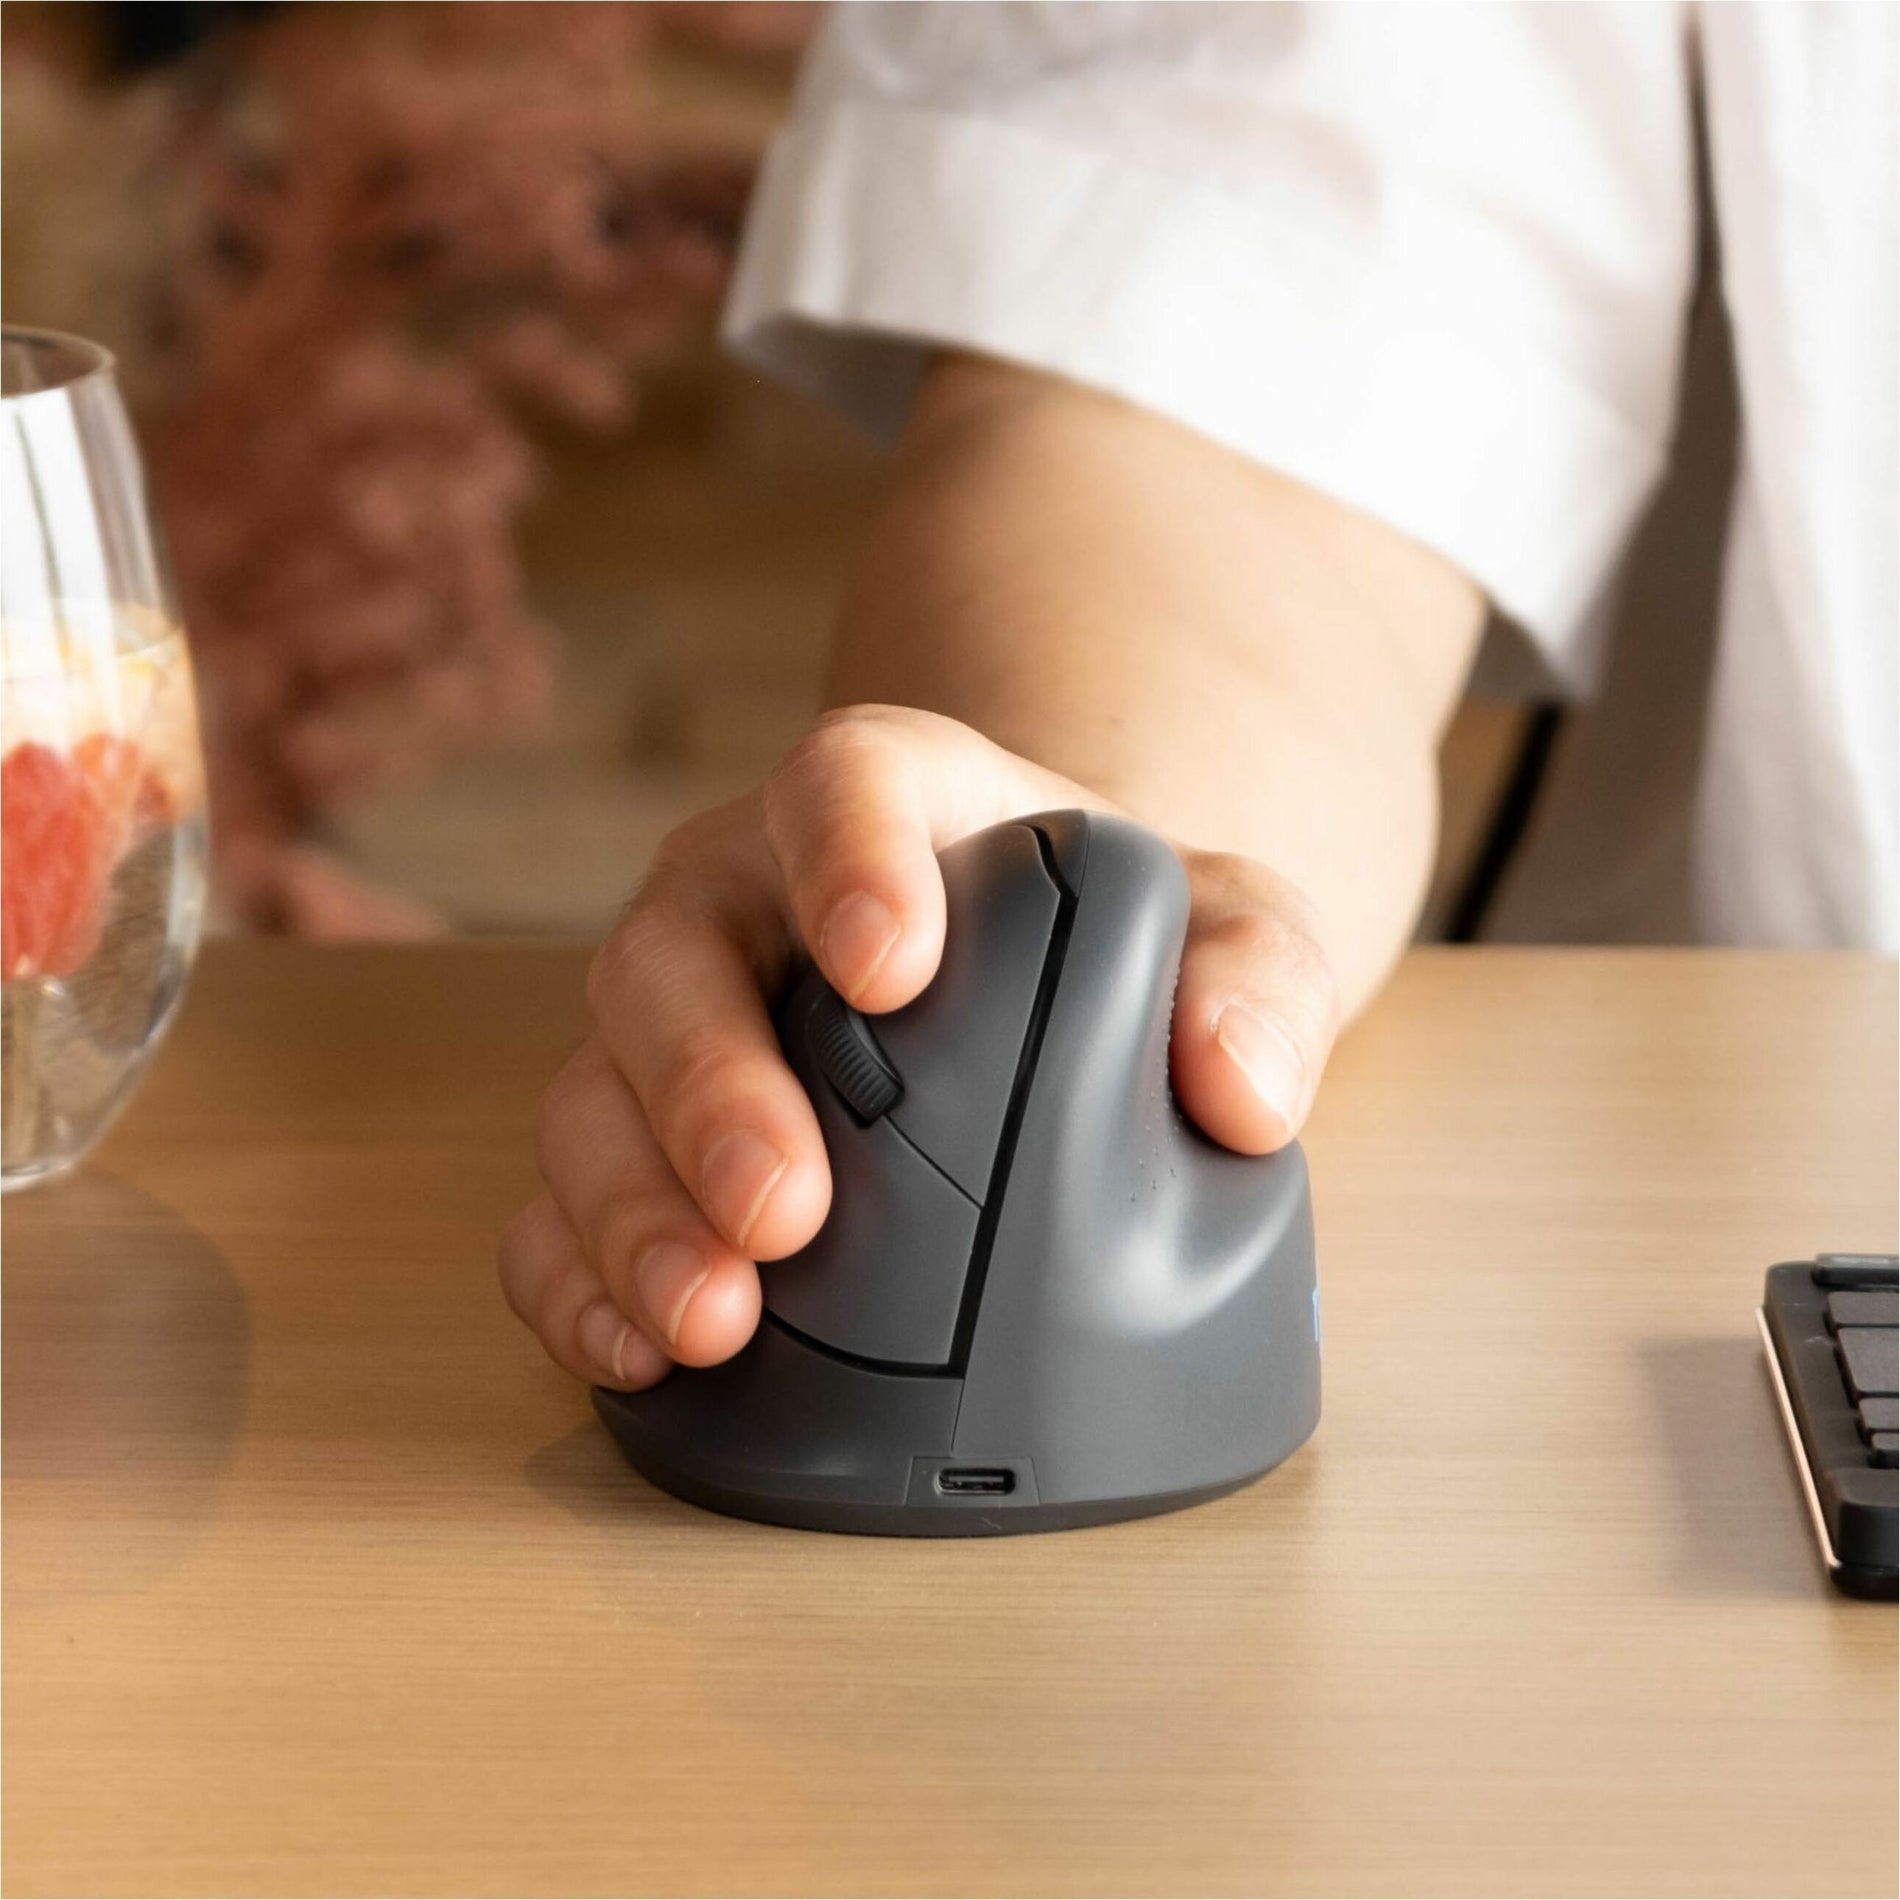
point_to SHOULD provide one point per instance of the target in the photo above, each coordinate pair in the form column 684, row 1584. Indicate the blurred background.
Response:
column 493, row 568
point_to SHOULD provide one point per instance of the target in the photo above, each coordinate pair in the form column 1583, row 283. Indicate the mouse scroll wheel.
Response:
column 847, row 1054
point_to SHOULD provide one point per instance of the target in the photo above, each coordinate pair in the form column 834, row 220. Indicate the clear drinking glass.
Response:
column 102, row 803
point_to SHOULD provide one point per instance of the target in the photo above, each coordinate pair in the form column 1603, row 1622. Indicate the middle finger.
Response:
column 667, row 1268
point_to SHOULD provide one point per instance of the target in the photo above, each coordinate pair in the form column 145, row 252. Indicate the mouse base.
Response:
column 783, row 1434
column 929, row 1516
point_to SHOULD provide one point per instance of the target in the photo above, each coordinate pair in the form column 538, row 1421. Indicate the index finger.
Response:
column 855, row 816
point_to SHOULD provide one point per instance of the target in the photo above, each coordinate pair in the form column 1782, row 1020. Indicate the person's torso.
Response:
column 1738, row 781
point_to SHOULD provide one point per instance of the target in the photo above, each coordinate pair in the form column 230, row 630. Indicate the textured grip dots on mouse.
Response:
column 850, row 1060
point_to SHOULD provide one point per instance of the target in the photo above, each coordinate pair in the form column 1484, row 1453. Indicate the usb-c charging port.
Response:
column 975, row 1481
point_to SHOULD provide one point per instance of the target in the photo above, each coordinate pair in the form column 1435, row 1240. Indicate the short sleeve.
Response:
column 1433, row 261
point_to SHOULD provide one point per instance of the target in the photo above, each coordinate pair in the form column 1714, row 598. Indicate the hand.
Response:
column 678, row 1148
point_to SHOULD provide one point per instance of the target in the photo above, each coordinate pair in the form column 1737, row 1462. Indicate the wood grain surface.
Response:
column 318, row 1580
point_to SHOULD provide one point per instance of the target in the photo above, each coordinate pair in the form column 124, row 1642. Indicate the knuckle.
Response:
column 837, row 743
column 620, row 1229
column 693, row 842
column 1300, row 915
column 1251, row 936
column 1303, row 973
column 887, row 723
column 607, row 970
column 1300, row 964
column 564, row 1107
column 808, row 759
column 1313, row 968
column 697, row 1070
column 1271, row 926
column 514, row 1293
column 626, row 953
column 865, row 716
column 515, row 1256
column 1299, row 955
column 675, row 876
column 1226, row 875
column 551, row 1139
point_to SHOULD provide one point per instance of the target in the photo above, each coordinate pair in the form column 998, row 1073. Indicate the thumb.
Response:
column 1256, row 1009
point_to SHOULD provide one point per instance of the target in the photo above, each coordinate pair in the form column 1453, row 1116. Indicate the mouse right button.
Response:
column 958, row 1045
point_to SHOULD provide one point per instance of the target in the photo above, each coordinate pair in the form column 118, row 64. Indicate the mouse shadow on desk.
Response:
column 124, row 1376
column 587, row 1476
column 584, row 1473
column 1741, row 1525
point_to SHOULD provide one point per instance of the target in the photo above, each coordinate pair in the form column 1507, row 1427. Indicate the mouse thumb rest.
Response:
column 1041, row 1297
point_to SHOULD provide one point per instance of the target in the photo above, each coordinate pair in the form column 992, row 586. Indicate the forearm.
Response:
column 1240, row 662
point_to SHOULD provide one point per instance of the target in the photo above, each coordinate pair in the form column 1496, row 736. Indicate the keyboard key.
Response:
column 1870, row 1308
column 1887, row 1449
column 1872, row 1357
column 1857, row 1269
column 1879, row 1415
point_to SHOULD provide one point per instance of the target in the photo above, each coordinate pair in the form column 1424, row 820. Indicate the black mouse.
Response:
column 1041, row 1298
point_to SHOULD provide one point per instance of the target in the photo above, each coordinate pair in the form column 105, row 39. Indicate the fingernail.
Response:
column 668, row 1275
column 740, row 1173
column 1268, row 1057
column 855, row 940
column 603, row 1332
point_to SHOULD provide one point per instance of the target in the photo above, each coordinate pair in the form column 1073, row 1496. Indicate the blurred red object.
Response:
column 404, row 231
column 65, row 821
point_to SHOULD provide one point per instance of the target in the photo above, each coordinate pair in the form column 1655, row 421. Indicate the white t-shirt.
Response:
column 1435, row 261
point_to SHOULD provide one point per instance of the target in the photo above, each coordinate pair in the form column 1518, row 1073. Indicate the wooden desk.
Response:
column 319, row 1580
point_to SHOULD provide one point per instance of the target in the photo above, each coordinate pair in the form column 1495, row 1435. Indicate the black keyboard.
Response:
column 1832, row 1329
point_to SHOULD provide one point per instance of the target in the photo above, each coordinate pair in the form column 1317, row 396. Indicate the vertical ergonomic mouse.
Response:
column 1041, row 1298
